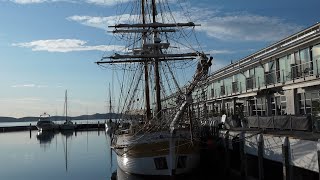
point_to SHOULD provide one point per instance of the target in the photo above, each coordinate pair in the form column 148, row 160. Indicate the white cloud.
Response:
column 29, row 86
column 66, row 45
column 107, row 2
column 244, row 26
column 221, row 52
column 96, row 2
column 232, row 26
column 100, row 22
column 28, row 1
column 23, row 85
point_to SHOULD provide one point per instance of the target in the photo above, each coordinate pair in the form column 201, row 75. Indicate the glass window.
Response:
column 306, row 64
column 217, row 89
column 284, row 69
column 182, row 162
column 278, row 105
column 161, row 163
column 259, row 76
column 241, row 82
column 309, row 102
column 316, row 58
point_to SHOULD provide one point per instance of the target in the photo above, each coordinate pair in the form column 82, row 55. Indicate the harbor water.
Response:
column 81, row 155
column 52, row 156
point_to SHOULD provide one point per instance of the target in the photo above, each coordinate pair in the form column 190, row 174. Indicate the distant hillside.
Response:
column 57, row 118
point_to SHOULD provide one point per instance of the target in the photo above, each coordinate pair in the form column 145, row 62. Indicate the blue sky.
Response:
column 48, row 46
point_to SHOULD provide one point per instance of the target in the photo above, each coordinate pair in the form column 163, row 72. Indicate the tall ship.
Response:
column 158, row 70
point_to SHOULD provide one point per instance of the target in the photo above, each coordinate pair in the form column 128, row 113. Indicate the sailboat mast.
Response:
column 156, row 64
column 146, row 73
column 66, row 153
column 66, row 105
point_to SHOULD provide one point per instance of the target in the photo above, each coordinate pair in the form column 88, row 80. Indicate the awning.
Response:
column 247, row 94
column 302, row 84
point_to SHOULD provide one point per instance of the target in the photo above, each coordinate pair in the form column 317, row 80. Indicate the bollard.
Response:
column 318, row 153
column 260, row 156
column 227, row 156
column 286, row 160
column 243, row 156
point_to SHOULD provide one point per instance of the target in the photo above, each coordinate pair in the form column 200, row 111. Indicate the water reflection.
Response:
column 121, row 175
column 45, row 137
column 55, row 155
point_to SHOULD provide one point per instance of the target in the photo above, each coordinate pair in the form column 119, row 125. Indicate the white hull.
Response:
column 143, row 158
column 146, row 166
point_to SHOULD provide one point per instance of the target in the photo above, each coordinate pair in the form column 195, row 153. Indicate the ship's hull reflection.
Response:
column 121, row 175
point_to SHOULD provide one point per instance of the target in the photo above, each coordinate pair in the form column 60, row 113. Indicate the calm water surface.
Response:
column 81, row 155
column 27, row 123
column 85, row 155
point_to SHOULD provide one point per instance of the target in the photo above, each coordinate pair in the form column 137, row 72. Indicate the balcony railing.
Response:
column 294, row 72
column 272, row 77
column 301, row 71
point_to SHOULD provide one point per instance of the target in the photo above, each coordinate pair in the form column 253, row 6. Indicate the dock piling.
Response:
column 243, row 156
column 318, row 153
column 227, row 158
column 285, row 162
column 260, row 156
column 30, row 128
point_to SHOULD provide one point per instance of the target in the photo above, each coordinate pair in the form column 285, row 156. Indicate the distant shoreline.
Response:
column 61, row 118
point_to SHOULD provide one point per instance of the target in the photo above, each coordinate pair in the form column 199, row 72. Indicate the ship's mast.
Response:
column 146, row 73
column 150, row 52
column 110, row 107
column 156, row 63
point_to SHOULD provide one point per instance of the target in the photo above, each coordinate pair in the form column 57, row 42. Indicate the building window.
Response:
column 316, row 58
column 278, row 105
column 250, row 83
column 182, row 162
column 212, row 92
column 223, row 92
column 234, row 87
column 257, row 106
column 161, row 163
column 245, row 108
column 309, row 103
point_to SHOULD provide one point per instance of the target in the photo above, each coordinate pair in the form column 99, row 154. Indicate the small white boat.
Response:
column 45, row 123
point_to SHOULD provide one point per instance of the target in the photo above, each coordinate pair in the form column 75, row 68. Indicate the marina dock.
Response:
column 263, row 154
column 80, row 127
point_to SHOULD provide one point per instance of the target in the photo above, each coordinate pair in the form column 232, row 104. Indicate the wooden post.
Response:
column 260, row 156
column 286, row 160
column 243, row 168
column 318, row 153
column 226, row 146
column 30, row 130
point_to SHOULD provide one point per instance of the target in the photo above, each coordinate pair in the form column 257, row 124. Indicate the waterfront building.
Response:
column 277, row 81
